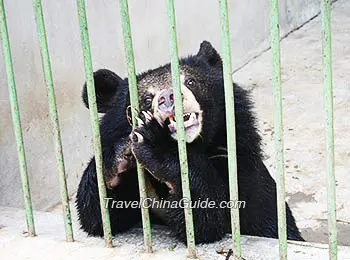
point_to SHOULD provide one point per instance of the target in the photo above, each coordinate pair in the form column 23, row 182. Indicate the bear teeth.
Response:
column 187, row 116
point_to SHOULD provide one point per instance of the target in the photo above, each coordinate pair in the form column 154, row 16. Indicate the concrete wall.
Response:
column 196, row 20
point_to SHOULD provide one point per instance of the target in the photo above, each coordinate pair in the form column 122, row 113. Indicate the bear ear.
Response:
column 209, row 54
column 107, row 84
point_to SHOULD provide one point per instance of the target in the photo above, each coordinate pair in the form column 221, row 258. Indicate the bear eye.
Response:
column 148, row 101
column 190, row 82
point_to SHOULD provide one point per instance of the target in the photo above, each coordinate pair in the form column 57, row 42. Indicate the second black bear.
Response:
column 154, row 145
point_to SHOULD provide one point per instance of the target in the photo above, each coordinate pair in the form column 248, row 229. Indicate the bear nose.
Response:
column 166, row 101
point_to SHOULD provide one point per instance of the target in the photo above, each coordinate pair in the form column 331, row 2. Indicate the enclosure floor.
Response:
column 302, row 80
column 49, row 243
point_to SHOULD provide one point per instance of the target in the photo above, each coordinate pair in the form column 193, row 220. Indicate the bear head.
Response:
column 201, row 87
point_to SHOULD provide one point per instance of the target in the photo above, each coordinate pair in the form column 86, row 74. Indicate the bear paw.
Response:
column 124, row 163
column 147, row 137
column 150, row 144
column 148, row 131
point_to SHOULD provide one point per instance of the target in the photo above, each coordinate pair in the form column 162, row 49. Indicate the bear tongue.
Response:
column 172, row 124
column 171, row 127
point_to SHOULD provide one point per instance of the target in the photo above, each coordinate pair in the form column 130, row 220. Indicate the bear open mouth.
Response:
column 191, row 124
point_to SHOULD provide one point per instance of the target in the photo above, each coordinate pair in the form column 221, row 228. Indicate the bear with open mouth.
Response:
column 153, row 144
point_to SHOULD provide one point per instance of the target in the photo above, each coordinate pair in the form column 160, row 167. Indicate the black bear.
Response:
column 154, row 145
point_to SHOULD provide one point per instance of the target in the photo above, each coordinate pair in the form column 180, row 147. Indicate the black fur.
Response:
column 157, row 152
column 109, row 84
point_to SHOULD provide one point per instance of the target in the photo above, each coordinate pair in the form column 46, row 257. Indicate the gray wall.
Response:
column 196, row 20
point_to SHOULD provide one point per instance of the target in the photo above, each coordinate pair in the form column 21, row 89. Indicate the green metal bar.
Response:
column 278, row 128
column 180, row 135
column 16, row 119
column 329, row 125
column 94, row 120
column 230, row 125
column 39, row 18
column 129, row 53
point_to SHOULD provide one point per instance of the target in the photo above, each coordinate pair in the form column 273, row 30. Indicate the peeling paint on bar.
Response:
column 175, row 71
column 94, row 120
column 45, row 56
column 16, row 119
column 231, row 126
column 278, row 129
column 129, row 53
column 329, row 126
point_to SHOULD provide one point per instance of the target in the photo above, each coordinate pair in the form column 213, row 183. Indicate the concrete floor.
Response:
column 304, row 155
column 50, row 244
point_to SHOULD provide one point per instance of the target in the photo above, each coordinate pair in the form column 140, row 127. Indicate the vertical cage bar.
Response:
column 129, row 53
column 181, row 138
column 16, row 119
column 278, row 128
column 329, row 125
column 94, row 120
column 230, row 124
column 46, row 63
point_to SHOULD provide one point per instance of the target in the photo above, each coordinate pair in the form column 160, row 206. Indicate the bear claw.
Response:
column 147, row 115
column 136, row 137
column 139, row 121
